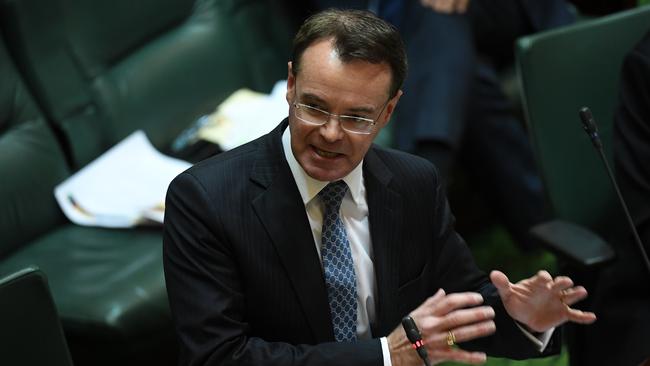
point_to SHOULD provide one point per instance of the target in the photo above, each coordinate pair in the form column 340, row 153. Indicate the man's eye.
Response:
column 357, row 120
column 314, row 110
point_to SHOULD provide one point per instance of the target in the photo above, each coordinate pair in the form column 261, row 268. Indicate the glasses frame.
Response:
column 371, row 122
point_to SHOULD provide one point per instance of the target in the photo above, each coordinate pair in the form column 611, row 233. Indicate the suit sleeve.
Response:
column 208, row 300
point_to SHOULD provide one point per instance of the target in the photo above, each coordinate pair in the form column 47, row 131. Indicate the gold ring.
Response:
column 562, row 296
column 451, row 338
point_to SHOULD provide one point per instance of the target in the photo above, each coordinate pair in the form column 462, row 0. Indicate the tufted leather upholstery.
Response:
column 103, row 69
column 77, row 77
column 31, row 164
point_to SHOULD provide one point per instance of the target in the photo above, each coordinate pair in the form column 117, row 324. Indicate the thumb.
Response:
column 501, row 282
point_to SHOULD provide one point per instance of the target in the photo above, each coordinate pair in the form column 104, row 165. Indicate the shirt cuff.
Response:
column 540, row 340
column 385, row 351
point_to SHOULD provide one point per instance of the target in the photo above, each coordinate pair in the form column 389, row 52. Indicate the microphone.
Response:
column 590, row 127
column 413, row 334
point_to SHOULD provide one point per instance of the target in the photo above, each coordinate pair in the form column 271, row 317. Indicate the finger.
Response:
column 501, row 282
column 542, row 277
column 561, row 283
column 439, row 295
column 433, row 300
column 456, row 301
column 459, row 355
column 462, row 334
column 582, row 317
column 427, row 307
column 573, row 295
column 461, row 317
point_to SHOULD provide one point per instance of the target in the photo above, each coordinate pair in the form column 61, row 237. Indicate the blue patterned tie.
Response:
column 338, row 267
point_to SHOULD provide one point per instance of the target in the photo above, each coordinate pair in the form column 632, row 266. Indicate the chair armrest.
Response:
column 573, row 242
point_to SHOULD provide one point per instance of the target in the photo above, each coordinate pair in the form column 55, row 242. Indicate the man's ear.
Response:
column 291, row 83
column 390, row 107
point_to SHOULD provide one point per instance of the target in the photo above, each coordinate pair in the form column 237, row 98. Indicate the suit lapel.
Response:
column 384, row 207
column 280, row 209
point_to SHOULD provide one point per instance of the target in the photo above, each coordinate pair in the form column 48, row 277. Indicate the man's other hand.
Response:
column 542, row 302
column 439, row 318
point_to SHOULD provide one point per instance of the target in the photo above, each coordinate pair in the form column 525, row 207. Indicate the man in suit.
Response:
column 308, row 245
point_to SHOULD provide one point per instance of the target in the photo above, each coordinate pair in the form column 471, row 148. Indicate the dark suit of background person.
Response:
column 622, row 300
column 454, row 108
column 244, row 277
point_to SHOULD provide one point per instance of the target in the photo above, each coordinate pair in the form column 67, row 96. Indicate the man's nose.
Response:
column 332, row 130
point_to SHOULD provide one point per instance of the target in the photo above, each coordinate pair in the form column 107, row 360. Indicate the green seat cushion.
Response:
column 31, row 163
column 103, row 71
column 107, row 281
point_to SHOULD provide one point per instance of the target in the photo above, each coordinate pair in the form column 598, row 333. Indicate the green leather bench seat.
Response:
column 109, row 289
column 107, row 284
column 31, row 163
column 102, row 70
column 96, row 72
column 117, row 273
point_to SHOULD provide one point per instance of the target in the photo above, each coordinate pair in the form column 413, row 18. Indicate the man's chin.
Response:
column 325, row 175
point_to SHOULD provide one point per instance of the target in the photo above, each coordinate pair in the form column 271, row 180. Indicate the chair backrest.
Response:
column 30, row 331
column 31, row 164
column 101, row 70
column 561, row 71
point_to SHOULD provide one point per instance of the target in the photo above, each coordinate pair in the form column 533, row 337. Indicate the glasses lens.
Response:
column 354, row 124
column 311, row 115
column 318, row 117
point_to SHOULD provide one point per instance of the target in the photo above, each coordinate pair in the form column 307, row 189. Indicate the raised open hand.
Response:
column 542, row 302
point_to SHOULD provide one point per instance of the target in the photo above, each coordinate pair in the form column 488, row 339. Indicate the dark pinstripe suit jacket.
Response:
column 244, row 278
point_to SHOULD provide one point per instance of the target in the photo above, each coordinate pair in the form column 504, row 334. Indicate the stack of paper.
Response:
column 124, row 187
column 245, row 116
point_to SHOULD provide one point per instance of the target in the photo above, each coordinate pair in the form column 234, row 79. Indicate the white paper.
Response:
column 245, row 116
column 122, row 188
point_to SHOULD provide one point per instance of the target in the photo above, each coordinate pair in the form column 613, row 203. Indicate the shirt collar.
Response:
column 308, row 186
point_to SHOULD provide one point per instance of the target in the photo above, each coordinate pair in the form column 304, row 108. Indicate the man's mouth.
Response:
column 326, row 154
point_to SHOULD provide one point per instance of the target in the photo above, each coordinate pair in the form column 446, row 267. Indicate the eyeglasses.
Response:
column 319, row 117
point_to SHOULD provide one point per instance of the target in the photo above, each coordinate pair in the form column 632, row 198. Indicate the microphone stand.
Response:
column 591, row 128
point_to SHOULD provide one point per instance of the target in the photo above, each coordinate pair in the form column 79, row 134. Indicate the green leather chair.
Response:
column 104, row 69
column 31, row 164
column 561, row 71
column 108, row 285
column 99, row 71
column 31, row 334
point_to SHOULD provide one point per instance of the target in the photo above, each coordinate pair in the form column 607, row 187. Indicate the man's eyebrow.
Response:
column 365, row 110
column 309, row 97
